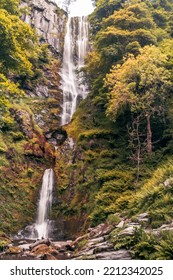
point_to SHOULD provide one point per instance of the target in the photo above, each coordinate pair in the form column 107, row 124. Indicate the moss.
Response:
column 3, row 146
column 155, row 197
column 17, row 136
column 113, row 219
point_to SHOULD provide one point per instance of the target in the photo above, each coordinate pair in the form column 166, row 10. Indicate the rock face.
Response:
column 25, row 122
column 48, row 20
column 45, row 96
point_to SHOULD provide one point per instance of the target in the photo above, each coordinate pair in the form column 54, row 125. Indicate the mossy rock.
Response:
column 4, row 240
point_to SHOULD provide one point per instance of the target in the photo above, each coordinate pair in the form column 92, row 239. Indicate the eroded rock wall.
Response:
column 48, row 20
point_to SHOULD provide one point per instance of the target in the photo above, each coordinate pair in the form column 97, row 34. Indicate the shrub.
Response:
column 164, row 250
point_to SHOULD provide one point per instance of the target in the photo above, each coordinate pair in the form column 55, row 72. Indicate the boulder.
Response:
column 100, row 230
column 143, row 218
column 121, row 224
column 40, row 250
column 14, row 250
column 114, row 255
column 40, row 242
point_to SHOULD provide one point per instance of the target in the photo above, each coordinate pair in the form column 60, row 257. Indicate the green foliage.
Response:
column 164, row 249
column 95, row 134
column 10, row 5
column 18, row 44
column 155, row 196
column 144, row 249
column 151, row 248
column 113, row 219
column 143, row 86
column 3, row 146
column 114, row 194
column 120, row 29
column 124, row 241
column 17, row 136
column 9, row 91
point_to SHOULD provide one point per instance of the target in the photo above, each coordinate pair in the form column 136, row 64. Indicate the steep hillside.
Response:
column 29, row 104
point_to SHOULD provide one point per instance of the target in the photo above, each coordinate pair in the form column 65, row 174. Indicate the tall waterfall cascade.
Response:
column 74, row 88
column 41, row 227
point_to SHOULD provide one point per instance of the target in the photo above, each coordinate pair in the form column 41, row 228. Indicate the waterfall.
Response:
column 75, row 49
column 41, row 227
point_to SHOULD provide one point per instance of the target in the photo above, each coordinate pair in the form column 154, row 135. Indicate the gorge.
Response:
column 74, row 89
column 86, row 129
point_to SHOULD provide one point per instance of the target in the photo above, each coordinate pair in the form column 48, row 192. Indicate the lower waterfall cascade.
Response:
column 41, row 227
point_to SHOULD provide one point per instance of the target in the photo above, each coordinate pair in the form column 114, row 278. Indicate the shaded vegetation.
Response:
column 123, row 129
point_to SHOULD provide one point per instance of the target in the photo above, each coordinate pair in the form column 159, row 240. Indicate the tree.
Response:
column 12, row 6
column 18, row 45
column 122, row 30
column 142, row 84
column 9, row 92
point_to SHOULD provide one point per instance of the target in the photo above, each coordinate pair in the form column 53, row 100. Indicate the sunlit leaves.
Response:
column 142, row 83
column 17, row 44
column 9, row 92
column 10, row 5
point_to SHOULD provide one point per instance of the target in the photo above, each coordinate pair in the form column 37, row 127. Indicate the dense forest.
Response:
column 120, row 165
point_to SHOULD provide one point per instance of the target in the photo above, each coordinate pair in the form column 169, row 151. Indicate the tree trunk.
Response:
column 149, row 136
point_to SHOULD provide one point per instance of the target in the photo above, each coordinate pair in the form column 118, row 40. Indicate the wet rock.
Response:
column 25, row 247
column 56, row 137
column 167, row 227
column 79, row 239
column 86, row 254
column 63, row 246
column 22, row 242
column 95, row 241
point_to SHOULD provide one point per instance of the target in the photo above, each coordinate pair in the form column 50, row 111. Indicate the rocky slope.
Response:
column 123, row 240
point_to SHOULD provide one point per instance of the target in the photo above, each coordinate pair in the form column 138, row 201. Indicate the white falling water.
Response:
column 41, row 228
column 75, row 50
